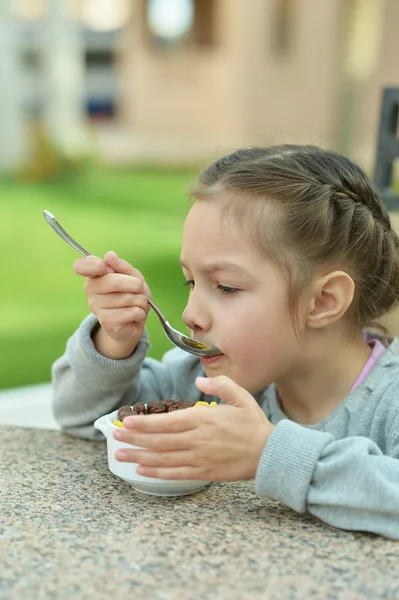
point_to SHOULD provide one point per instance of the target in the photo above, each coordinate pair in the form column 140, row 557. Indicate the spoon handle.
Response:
column 156, row 308
column 52, row 221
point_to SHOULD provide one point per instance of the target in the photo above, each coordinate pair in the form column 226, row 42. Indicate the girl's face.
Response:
column 238, row 301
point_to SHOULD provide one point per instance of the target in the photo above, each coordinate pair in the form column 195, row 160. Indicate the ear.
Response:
column 331, row 296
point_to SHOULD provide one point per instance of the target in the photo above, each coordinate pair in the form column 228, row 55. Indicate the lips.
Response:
column 209, row 360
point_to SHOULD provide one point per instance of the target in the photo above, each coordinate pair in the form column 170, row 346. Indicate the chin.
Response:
column 213, row 372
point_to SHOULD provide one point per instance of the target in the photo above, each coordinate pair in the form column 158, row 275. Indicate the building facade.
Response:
column 259, row 72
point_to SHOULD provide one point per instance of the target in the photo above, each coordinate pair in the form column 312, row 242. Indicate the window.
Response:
column 282, row 27
column 173, row 24
column 106, row 15
column 29, row 10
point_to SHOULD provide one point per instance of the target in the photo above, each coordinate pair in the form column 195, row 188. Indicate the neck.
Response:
column 325, row 377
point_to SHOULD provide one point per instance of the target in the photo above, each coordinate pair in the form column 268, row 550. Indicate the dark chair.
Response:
column 388, row 147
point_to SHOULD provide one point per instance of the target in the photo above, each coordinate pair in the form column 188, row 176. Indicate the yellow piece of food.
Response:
column 213, row 404
column 200, row 403
column 117, row 423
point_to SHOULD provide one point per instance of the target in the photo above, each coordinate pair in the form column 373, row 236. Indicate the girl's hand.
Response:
column 115, row 293
column 222, row 443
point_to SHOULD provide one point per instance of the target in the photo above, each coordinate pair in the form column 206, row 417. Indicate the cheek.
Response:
column 243, row 343
column 254, row 336
column 254, row 322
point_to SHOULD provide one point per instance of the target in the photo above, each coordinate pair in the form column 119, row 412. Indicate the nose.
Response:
column 195, row 315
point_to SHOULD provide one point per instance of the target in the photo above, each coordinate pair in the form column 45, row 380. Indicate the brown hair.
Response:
column 331, row 215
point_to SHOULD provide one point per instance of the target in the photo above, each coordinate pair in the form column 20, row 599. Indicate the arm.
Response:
column 87, row 385
column 347, row 483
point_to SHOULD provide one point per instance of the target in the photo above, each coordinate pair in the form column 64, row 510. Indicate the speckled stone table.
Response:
column 71, row 529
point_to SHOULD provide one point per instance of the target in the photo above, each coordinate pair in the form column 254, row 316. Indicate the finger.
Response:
column 90, row 266
column 117, row 300
column 180, row 473
column 118, row 317
column 122, row 266
column 114, row 282
column 225, row 388
column 155, row 459
column 175, row 422
column 159, row 442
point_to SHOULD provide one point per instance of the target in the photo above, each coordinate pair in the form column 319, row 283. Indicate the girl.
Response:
column 290, row 259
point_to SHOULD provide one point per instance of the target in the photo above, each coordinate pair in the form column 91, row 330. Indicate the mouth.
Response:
column 209, row 360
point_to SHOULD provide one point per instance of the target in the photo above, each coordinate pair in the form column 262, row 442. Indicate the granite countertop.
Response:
column 71, row 529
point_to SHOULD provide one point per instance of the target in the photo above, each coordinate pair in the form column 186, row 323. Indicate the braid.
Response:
column 369, row 234
column 371, row 201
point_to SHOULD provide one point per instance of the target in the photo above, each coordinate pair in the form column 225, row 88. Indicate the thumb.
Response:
column 226, row 389
column 119, row 265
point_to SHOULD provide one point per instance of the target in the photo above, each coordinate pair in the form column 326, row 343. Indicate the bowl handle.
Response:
column 101, row 425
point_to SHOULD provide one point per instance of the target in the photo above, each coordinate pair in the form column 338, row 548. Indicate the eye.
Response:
column 189, row 283
column 227, row 291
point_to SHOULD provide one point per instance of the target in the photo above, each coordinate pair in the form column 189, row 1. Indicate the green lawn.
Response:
column 138, row 214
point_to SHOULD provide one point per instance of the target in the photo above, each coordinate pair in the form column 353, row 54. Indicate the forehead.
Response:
column 209, row 233
column 206, row 220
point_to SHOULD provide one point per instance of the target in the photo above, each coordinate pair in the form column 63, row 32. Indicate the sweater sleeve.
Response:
column 348, row 483
column 87, row 385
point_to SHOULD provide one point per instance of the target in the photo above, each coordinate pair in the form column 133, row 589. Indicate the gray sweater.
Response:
column 344, row 469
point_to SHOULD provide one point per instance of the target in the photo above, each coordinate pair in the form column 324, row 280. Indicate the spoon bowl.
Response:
column 180, row 340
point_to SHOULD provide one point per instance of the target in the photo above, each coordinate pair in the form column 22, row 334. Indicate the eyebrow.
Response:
column 222, row 265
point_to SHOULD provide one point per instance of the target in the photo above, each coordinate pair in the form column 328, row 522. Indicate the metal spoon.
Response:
column 179, row 339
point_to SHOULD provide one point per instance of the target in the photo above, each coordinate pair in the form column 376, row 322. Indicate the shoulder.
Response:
column 183, row 368
column 385, row 372
column 383, row 388
column 177, row 356
column 383, row 382
column 267, row 400
column 182, row 363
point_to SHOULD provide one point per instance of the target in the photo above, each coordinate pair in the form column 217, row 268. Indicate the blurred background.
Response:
column 110, row 108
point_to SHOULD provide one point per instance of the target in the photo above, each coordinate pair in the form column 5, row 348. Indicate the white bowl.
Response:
column 127, row 471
